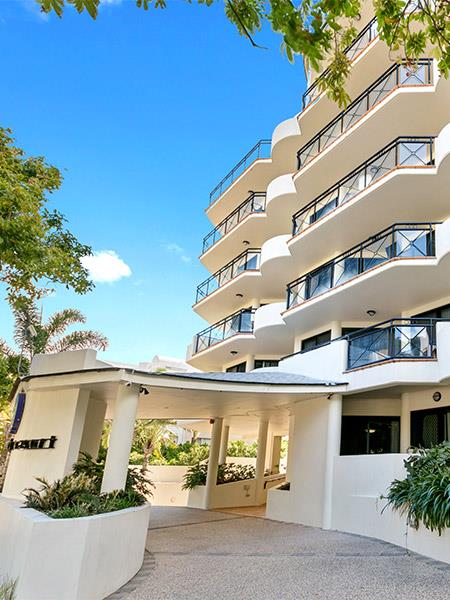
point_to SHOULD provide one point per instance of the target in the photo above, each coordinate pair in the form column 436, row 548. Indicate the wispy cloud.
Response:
column 178, row 251
column 106, row 266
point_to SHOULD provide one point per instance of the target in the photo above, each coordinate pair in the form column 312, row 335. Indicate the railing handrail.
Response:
column 422, row 226
column 363, row 165
column 254, row 251
column 249, row 199
column 347, row 49
column 260, row 143
column 357, row 100
column 225, row 319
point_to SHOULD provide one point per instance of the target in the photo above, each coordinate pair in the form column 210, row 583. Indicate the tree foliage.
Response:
column 35, row 336
column 35, row 246
column 321, row 30
column 424, row 495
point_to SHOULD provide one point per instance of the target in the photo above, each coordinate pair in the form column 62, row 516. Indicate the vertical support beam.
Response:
column 405, row 424
column 93, row 427
column 332, row 450
column 336, row 329
column 122, row 429
column 213, row 461
column 261, row 460
column 224, row 444
column 290, row 449
column 276, row 451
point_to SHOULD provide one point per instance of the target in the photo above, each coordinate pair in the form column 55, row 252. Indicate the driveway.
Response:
column 203, row 555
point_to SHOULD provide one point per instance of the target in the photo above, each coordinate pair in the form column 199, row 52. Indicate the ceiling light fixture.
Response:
column 233, row 352
column 371, row 312
column 239, row 295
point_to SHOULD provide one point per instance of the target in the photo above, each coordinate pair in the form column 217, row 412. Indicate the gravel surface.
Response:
column 203, row 555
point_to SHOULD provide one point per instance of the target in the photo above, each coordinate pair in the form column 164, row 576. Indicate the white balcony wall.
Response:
column 328, row 362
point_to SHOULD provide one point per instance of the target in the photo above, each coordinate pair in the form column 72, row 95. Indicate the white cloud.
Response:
column 106, row 266
column 179, row 251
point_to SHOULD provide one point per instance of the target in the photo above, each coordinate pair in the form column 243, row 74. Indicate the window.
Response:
column 441, row 312
column 370, row 435
column 316, row 340
column 261, row 363
column 430, row 427
column 239, row 368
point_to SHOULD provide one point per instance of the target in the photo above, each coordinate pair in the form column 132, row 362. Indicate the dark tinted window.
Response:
column 316, row 340
column 370, row 435
column 261, row 363
column 239, row 368
column 430, row 427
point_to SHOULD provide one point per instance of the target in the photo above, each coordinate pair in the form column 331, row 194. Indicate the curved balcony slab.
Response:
column 276, row 261
column 388, row 119
column 389, row 289
column 403, row 194
column 285, row 140
column 270, row 337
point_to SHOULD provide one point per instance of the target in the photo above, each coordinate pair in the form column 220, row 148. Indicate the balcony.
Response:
column 259, row 150
column 397, row 339
column 240, row 322
column 399, row 75
column 404, row 152
column 247, row 261
column 362, row 40
column 401, row 241
column 255, row 203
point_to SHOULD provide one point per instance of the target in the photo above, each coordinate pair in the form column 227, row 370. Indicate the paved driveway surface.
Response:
column 199, row 555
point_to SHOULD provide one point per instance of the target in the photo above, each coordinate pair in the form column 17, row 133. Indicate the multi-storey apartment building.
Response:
column 329, row 256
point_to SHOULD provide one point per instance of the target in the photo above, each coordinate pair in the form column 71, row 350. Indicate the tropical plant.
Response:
column 35, row 246
column 32, row 335
column 226, row 473
column 321, row 30
column 241, row 448
column 8, row 589
column 424, row 495
column 79, row 493
column 149, row 435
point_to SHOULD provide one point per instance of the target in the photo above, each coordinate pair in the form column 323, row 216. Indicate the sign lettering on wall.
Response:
column 35, row 444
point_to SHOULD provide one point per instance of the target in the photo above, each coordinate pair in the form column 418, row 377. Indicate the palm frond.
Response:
column 6, row 349
column 80, row 340
column 61, row 320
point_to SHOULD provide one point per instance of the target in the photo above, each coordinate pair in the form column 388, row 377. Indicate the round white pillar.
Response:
column 261, row 460
column 224, row 444
column 213, row 461
column 122, row 429
column 333, row 444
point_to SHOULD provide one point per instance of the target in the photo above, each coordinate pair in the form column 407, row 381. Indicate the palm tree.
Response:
column 149, row 434
column 33, row 336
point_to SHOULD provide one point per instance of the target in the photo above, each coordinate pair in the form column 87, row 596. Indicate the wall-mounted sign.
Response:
column 19, row 408
column 35, row 444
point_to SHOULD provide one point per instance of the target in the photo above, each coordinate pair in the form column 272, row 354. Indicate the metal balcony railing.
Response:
column 255, row 203
column 239, row 322
column 259, row 150
column 361, row 41
column 399, row 75
column 247, row 261
column 397, row 339
column 402, row 152
column 403, row 240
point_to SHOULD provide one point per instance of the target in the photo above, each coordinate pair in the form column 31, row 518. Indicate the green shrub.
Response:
column 7, row 589
column 241, row 448
column 226, row 473
column 424, row 496
column 79, row 493
column 189, row 453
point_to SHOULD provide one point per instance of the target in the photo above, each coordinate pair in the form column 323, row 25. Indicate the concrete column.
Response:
column 336, row 329
column 122, row 429
column 250, row 363
column 93, row 427
column 224, row 444
column 213, row 461
column 333, row 443
column 290, row 453
column 275, row 457
column 261, row 460
column 405, row 424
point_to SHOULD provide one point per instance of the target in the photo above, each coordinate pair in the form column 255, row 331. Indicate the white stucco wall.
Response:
column 359, row 481
column 70, row 559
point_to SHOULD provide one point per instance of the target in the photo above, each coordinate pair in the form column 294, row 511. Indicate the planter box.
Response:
column 70, row 559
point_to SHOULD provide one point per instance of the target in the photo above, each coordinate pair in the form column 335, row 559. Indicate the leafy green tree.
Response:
column 320, row 30
column 35, row 336
column 241, row 448
column 35, row 247
column 149, row 434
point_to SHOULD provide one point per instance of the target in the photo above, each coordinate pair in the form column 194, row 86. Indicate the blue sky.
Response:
column 144, row 113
